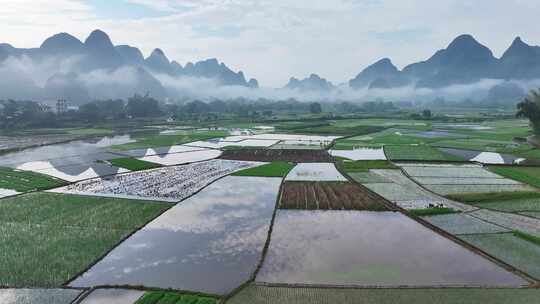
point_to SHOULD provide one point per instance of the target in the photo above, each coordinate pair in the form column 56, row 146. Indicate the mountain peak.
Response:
column 158, row 52
column 98, row 38
column 61, row 42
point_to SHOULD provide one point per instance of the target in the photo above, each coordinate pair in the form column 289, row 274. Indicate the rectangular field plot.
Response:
column 509, row 220
column 465, row 181
column 467, row 188
column 528, row 175
column 211, row 243
column 516, row 205
column 271, row 295
column 299, row 145
column 159, row 150
column 163, row 297
column 417, row 152
column 360, row 154
column 315, row 172
column 182, row 158
column 407, row 194
column 446, row 170
column 113, row 296
column 463, row 224
column 225, row 142
column 170, row 184
column 38, row 296
column 368, row 177
column 336, row 248
column 72, row 173
column 329, row 196
column 273, row 169
column 269, row 155
column 522, row 254
column 46, row 239
column 23, row 181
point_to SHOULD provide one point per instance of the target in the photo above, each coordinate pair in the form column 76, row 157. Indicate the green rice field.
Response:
column 269, row 295
column 528, row 175
column 24, row 181
column 47, row 238
column 133, row 164
column 274, row 169
column 161, row 297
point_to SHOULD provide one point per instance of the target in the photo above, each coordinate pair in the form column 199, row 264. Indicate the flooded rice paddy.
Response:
column 463, row 224
column 360, row 154
column 211, row 242
column 315, row 172
column 7, row 192
column 489, row 158
column 371, row 249
column 113, row 296
column 182, row 158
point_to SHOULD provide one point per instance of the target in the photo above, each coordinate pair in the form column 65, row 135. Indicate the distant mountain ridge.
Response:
column 98, row 52
column 313, row 83
column 464, row 61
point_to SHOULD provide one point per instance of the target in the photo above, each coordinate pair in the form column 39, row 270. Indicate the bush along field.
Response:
column 46, row 239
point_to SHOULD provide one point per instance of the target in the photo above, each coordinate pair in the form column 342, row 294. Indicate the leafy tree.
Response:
column 426, row 114
column 315, row 108
column 530, row 108
column 142, row 106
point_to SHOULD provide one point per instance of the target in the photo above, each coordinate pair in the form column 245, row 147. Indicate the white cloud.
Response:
column 275, row 39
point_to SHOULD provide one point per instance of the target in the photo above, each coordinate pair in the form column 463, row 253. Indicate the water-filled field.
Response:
column 370, row 249
column 210, row 243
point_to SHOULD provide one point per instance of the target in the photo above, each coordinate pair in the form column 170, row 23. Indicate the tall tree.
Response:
column 530, row 108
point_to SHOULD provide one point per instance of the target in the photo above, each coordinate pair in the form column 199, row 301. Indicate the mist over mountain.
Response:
column 313, row 83
column 464, row 61
column 65, row 67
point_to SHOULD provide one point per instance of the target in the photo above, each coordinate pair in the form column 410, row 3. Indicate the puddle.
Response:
column 182, row 158
column 360, row 154
column 113, row 296
column 371, row 249
column 315, row 172
column 210, row 243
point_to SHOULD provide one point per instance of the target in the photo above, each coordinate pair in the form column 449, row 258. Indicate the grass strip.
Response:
column 274, row 169
column 365, row 165
column 133, row 164
column 432, row 211
column 527, row 237
column 473, row 198
column 24, row 181
column 527, row 175
column 417, row 152
column 162, row 297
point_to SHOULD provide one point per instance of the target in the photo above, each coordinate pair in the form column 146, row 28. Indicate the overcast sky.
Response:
column 273, row 40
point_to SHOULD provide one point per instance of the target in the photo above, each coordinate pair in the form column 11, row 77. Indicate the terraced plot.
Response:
column 329, row 196
column 269, row 155
column 133, row 164
column 274, row 169
column 170, row 184
column 528, row 175
column 46, row 239
column 515, row 251
column 509, row 220
column 515, row 205
column 211, row 242
column 38, row 296
column 338, row 248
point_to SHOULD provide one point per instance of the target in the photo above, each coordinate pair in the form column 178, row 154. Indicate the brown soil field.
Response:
column 329, row 196
column 267, row 155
